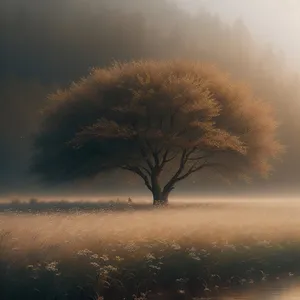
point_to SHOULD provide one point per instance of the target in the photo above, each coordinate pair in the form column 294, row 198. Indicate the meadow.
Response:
column 97, row 250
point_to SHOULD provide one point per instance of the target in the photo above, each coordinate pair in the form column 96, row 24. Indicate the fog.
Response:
column 220, row 221
column 48, row 45
column 255, row 240
column 270, row 21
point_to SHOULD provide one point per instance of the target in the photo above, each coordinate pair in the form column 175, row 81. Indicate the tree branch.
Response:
column 145, row 156
column 195, row 169
column 183, row 160
column 139, row 172
column 143, row 151
column 166, row 158
column 199, row 157
column 146, row 170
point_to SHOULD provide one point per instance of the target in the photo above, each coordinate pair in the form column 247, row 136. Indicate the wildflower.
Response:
column 176, row 246
column 103, row 272
column 230, row 246
column 194, row 256
column 52, row 267
column 104, row 257
column 131, row 247
column 264, row 275
column 84, row 252
column 150, row 256
column 94, row 264
column 118, row 258
column 111, row 268
column 182, row 280
column 263, row 243
column 154, row 267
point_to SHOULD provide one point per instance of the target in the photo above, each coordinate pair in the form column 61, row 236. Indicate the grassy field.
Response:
column 60, row 250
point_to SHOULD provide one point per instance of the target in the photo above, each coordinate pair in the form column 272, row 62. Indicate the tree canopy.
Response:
column 162, row 120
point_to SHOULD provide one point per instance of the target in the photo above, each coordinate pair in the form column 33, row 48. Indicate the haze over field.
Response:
column 219, row 221
column 223, row 250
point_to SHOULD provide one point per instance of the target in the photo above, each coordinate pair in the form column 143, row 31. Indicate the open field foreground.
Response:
column 181, row 252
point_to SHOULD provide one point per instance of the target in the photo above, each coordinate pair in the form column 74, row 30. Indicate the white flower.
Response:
column 182, row 280
column 118, row 258
column 104, row 257
column 131, row 247
column 264, row 243
column 52, row 267
column 176, row 246
column 230, row 246
column 154, row 267
column 84, row 252
column 94, row 264
column 111, row 268
column 194, row 256
column 150, row 256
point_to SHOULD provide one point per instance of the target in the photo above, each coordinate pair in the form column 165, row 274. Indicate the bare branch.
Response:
column 154, row 153
column 191, row 151
column 166, row 158
column 195, row 169
column 191, row 170
column 199, row 157
column 183, row 160
column 139, row 172
column 145, row 156
column 146, row 170
column 142, row 147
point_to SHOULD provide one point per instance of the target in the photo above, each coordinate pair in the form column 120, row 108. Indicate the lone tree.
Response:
column 163, row 121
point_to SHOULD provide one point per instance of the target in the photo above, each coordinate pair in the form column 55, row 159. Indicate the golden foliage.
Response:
column 171, row 106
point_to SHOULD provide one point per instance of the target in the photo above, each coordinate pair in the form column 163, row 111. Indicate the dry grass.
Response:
column 120, row 253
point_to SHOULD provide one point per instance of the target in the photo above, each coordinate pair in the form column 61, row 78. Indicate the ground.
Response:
column 206, row 249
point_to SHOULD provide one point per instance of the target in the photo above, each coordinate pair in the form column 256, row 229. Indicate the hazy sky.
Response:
column 274, row 21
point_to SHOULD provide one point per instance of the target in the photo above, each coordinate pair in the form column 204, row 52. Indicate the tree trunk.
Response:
column 159, row 196
column 160, row 199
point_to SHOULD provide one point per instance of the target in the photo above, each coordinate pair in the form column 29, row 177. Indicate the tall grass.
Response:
column 175, row 253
